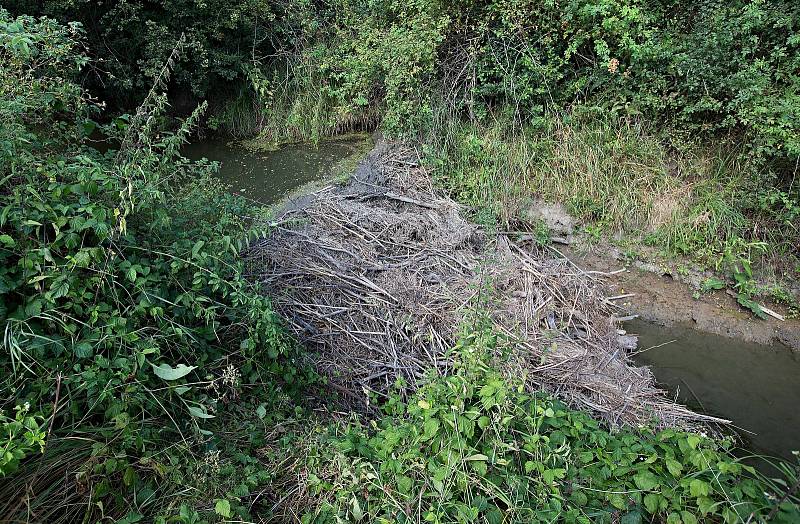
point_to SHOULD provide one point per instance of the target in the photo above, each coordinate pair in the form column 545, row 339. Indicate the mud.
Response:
column 662, row 296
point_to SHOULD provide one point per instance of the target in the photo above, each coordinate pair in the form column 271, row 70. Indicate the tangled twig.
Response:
column 375, row 276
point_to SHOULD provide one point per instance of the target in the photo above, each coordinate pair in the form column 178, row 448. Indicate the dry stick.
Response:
column 772, row 313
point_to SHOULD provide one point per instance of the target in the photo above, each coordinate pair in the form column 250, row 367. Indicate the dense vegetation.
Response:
column 140, row 365
column 473, row 447
column 126, row 320
column 694, row 103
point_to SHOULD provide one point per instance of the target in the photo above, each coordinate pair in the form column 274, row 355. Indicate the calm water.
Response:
column 757, row 387
column 269, row 176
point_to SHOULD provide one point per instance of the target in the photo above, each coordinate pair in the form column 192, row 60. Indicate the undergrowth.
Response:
column 474, row 446
column 127, row 323
column 617, row 173
column 619, row 177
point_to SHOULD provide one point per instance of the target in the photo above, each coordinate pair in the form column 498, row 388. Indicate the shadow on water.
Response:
column 268, row 176
column 755, row 386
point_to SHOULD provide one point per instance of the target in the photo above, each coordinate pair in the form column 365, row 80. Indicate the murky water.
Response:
column 757, row 387
column 268, row 176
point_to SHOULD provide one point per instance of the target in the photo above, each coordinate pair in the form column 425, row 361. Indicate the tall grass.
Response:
column 611, row 172
column 289, row 103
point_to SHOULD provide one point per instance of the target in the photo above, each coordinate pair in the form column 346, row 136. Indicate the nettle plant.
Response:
column 20, row 435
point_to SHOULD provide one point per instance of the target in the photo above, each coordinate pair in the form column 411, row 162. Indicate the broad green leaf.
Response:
column 705, row 505
column 223, row 508
column 688, row 518
column 430, row 428
column 199, row 413
column 712, row 283
column 404, row 484
column 197, row 247
column 59, row 289
column 674, row 467
column 167, row 372
column 652, row 502
column 494, row 516
column 646, row 481
column 632, row 517
column 618, row 501
column 673, row 518
column 698, row 488
column 82, row 350
column 579, row 498
column 730, row 515
column 356, row 510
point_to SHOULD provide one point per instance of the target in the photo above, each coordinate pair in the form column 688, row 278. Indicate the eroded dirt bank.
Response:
column 660, row 297
column 661, row 293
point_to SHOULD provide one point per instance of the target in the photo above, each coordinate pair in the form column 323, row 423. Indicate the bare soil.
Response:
column 663, row 296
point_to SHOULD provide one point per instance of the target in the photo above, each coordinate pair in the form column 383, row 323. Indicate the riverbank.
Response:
column 624, row 192
column 668, row 294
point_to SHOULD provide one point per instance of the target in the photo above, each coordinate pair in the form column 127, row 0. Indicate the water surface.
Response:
column 268, row 176
column 755, row 386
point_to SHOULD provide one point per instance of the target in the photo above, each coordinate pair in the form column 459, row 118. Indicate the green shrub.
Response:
column 130, row 41
column 125, row 314
column 474, row 447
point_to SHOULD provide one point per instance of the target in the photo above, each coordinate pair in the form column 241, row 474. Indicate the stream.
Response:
column 267, row 177
column 754, row 386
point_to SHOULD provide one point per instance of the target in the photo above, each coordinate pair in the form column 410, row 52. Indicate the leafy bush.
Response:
column 129, row 41
column 727, row 65
column 707, row 68
column 473, row 447
column 124, row 311
column 22, row 435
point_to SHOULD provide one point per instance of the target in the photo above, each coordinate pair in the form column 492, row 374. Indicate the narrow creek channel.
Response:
column 754, row 386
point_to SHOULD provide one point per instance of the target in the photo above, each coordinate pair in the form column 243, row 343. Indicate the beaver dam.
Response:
column 376, row 276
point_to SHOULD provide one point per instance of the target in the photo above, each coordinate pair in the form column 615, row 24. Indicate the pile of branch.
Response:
column 375, row 278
